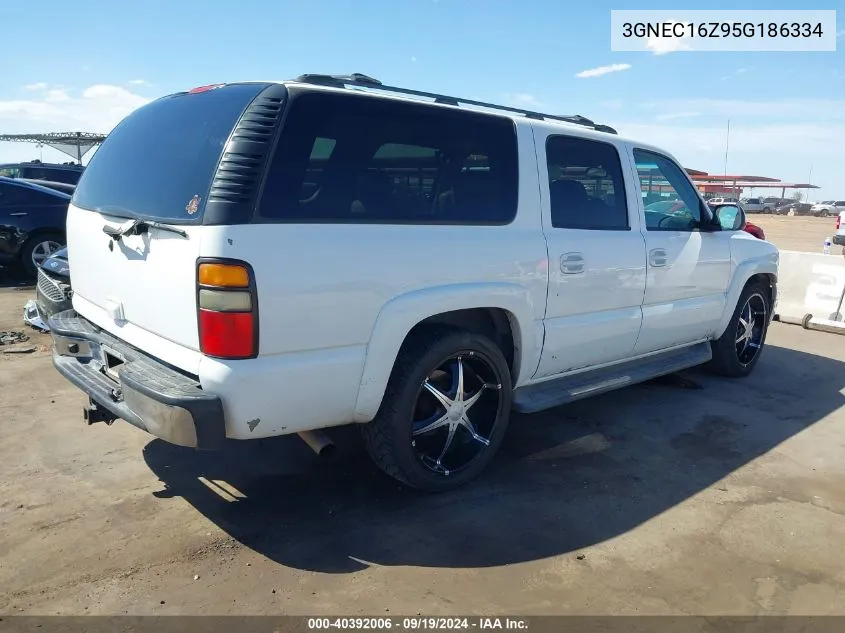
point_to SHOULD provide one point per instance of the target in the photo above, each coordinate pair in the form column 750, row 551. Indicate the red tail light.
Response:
column 227, row 305
column 838, row 222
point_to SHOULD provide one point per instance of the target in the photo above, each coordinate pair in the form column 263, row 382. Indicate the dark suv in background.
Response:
column 67, row 173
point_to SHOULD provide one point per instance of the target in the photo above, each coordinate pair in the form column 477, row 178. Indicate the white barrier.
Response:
column 809, row 283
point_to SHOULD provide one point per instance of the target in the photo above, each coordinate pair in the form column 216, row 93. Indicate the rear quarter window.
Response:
column 161, row 156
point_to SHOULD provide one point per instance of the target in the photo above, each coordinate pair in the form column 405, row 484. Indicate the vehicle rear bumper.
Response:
column 839, row 240
column 146, row 392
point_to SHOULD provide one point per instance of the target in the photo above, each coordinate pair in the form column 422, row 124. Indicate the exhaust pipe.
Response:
column 318, row 442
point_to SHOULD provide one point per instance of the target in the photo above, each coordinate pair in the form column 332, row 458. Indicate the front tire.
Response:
column 737, row 351
column 444, row 412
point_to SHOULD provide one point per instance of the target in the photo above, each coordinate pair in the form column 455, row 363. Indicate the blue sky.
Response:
column 102, row 59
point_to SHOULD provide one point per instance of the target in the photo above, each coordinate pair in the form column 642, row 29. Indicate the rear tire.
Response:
column 737, row 351
column 38, row 248
column 430, row 434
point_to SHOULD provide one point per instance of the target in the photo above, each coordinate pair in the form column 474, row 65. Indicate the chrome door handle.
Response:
column 571, row 263
column 18, row 214
column 657, row 257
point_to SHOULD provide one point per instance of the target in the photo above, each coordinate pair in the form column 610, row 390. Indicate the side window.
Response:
column 68, row 176
column 350, row 159
column 10, row 172
column 671, row 202
column 586, row 188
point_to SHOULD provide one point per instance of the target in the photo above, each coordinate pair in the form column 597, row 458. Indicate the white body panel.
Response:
column 685, row 298
column 336, row 301
column 142, row 290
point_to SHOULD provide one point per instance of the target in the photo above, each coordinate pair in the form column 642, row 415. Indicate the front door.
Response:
column 596, row 253
column 688, row 269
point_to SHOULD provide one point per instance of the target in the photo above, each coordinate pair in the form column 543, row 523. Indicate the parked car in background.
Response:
column 58, row 186
column 754, row 230
column 756, row 205
column 306, row 255
column 68, row 173
column 774, row 202
column 795, row 208
column 53, row 292
column 32, row 223
column 839, row 236
column 720, row 200
column 828, row 207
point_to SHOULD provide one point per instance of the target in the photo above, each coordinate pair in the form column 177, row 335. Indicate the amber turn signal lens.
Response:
column 223, row 275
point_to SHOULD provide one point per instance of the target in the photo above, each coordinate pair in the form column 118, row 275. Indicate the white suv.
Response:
column 828, row 207
column 260, row 259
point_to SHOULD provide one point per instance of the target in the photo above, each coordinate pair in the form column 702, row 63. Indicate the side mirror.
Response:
column 730, row 217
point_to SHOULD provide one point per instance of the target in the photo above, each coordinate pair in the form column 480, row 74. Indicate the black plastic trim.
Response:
column 252, row 288
column 235, row 187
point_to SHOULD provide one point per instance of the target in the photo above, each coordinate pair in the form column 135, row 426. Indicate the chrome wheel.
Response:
column 750, row 329
column 43, row 250
column 456, row 411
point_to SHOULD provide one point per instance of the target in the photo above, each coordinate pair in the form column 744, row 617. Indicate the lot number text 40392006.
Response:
column 419, row 623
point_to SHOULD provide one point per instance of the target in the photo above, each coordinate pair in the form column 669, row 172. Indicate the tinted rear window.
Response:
column 161, row 156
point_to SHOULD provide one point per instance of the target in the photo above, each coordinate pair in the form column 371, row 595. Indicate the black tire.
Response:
column 31, row 244
column 727, row 358
column 389, row 436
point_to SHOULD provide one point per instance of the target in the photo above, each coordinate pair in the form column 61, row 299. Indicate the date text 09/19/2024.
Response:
column 419, row 623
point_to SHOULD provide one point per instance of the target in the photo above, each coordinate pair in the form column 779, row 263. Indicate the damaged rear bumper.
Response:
column 134, row 386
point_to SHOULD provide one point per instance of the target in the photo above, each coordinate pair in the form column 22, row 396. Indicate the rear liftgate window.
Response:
column 353, row 159
column 158, row 163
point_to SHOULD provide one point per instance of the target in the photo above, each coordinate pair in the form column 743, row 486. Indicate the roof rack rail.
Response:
column 364, row 81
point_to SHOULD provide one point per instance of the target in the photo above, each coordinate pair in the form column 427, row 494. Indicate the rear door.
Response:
column 158, row 164
column 596, row 253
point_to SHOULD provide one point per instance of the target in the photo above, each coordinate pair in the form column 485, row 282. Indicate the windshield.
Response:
column 158, row 163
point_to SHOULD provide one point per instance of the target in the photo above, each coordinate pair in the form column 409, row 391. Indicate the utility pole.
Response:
column 727, row 144
column 810, row 180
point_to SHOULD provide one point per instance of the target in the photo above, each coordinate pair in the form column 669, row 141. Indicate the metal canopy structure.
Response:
column 725, row 184
column 74, row 144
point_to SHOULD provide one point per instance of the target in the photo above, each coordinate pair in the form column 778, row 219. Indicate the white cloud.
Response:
column 36, row 86
column 522, row 100
column 97, row 109
column 663, row 45
column 139, row 82
column 602, row 70
column 56, row 95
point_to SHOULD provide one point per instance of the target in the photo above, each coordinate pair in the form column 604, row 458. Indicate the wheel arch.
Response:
column 502, row 311
column 763, row 270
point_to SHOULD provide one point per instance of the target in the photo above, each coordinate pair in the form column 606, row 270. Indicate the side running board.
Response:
column 553, row 393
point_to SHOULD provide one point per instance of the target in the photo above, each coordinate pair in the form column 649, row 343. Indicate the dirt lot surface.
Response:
column 795, row 233
column 728, row 498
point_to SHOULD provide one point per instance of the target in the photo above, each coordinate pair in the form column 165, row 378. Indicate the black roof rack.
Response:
column 364, row 81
